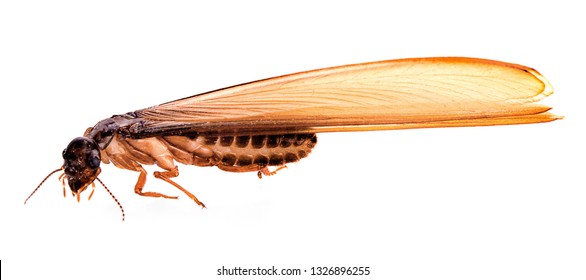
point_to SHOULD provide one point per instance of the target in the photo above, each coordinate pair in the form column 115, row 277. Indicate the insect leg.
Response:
column 166, row 175
column 140, row 185
column 266, row 172
column 262, row 170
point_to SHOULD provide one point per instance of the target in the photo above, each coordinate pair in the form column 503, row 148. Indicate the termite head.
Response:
column 81, row 163
column 81, row 166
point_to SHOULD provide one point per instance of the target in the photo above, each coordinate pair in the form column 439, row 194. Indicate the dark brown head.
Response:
column 81, row 163
column 81, row 166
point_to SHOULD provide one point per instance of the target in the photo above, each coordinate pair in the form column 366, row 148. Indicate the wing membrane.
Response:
column 394, row 94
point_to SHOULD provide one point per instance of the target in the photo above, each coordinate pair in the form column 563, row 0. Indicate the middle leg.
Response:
column 167, row 175
column 140, row 185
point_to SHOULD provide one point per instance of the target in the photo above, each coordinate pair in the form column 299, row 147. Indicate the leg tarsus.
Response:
column 166, row 175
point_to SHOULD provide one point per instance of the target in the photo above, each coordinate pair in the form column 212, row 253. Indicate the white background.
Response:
column 457, row 203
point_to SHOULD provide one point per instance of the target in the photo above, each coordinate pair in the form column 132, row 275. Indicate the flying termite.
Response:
column 269, row 123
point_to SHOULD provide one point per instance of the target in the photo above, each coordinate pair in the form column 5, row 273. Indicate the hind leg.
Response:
column 261, row 170
column 266, row 172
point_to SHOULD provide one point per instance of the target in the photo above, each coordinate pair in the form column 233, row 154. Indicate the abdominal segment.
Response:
column 240, row 153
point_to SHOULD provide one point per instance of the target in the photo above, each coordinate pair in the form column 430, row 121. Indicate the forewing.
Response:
column 394, row 94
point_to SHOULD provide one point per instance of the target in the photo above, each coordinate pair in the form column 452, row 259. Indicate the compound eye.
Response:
column 68, row 155
column 94, row 162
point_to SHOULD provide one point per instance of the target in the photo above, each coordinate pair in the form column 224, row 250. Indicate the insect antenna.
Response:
column 54, row 171
column 112, row 195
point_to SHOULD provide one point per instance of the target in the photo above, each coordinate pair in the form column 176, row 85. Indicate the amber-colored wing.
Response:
column 394, row 94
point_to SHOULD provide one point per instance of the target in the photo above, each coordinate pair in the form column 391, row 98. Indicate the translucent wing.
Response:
column 394, row 94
